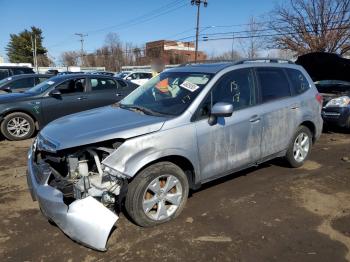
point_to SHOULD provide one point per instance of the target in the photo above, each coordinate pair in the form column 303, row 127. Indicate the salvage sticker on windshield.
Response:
column 189, row 86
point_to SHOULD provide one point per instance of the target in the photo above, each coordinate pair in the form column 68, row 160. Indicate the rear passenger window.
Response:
column 4, row 73
column 298, row 80
column 103, row 84
column 273, row 83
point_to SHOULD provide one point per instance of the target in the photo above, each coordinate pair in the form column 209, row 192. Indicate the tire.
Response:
column 294, row 158
column 144, row 206
column 17, row 122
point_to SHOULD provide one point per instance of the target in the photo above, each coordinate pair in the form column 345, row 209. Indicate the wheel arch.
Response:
column 11, row 111
column 312, row 127
column 184, row 163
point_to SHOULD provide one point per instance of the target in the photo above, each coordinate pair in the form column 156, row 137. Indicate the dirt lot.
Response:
column 269, row 213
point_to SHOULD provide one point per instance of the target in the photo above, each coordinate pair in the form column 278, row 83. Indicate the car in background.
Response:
column 331, row 74
column 138, row 78
column 336, row 102
column 183, row 128
column 21, row 114
column 103, row 73
column 52, row 71
column 20, row 83
column 7, row 71
column 122, row 74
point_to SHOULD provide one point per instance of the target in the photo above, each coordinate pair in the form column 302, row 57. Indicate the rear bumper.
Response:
column 86, row 221
column 338, row 116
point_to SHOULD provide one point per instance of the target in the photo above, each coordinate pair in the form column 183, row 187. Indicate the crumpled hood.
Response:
column 98, row 125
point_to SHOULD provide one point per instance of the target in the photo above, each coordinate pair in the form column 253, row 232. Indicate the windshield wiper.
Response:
column 144, row 110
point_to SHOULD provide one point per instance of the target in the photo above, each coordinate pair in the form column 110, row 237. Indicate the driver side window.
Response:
column 235, row 87
column 72, row 86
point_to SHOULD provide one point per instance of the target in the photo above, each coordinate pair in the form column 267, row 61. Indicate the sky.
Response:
column 137, row 21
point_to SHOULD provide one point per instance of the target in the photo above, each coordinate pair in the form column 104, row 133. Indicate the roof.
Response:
column 28, row 75
column 215, row 67
column 211, row 68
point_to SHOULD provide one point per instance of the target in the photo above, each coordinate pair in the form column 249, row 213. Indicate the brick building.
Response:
column 172, row 52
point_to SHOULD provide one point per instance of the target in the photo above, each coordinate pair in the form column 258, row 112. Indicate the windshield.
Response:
column 169, row 93
column 42, row 87
column 333, row 86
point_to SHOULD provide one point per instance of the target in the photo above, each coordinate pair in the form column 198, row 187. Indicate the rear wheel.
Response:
column 300, row 147
column 156, row 195
column 17, row 126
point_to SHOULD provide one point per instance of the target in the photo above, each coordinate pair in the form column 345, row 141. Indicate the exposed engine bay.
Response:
column 78, row 173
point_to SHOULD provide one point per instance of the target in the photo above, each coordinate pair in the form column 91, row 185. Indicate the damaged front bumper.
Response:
column 86, row 221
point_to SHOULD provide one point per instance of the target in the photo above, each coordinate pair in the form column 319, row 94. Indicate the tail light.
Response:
column 319, row 98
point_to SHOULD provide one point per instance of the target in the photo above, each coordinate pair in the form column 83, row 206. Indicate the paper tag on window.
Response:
column 50, row 82
column 9, row 78
column 189, row 86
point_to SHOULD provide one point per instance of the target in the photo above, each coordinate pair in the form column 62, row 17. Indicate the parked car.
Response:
column 22, row 113
column 331, row 74
column 20, row 83
column 7, row 71
column 52, row 72
column 138, row 78
column 185, row 127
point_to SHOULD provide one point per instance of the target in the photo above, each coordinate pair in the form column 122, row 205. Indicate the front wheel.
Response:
column 300, row 147
column 17, row 126
column 156, row 195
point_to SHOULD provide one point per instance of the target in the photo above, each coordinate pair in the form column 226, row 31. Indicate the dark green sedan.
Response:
column 21, row 114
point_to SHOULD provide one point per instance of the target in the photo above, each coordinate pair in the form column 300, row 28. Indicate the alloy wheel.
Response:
column 301, row 147
column 162, row 197
column 18, row 127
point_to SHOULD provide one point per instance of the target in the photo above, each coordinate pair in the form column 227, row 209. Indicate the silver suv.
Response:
column 183, row 128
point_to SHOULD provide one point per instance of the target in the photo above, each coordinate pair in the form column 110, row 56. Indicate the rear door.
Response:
column 73, row 99
column 277, row 110
column 103, row 91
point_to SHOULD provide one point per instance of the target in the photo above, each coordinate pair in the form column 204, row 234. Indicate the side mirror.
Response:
column 220, row 109
column 6, row 89
column 55, row 93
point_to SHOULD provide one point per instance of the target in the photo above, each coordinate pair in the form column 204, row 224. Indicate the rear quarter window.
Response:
column 298, row 81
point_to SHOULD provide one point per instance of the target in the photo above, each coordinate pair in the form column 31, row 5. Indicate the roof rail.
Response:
column 240, row 61
column 263, row 60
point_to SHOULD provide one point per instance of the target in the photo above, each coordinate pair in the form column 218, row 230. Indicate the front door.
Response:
column 233, row 142
column 72, row 99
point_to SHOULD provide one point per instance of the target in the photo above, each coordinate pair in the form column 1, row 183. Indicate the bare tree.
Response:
column 253, row 42
column 304, row 26
column 70, row 58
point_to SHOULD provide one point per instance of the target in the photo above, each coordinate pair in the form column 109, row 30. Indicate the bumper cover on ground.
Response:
column 86, row 221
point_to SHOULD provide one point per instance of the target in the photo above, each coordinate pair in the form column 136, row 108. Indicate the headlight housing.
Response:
column 342, row 101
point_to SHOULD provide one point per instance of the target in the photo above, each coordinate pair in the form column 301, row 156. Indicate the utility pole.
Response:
column 198, row 4
column 81, row 35
column 34, row 48
column 233, row 37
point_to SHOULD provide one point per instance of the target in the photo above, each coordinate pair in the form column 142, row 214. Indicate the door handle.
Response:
column 118, row 94
column 254, row 119
column 82, row 98
column 294, row 107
